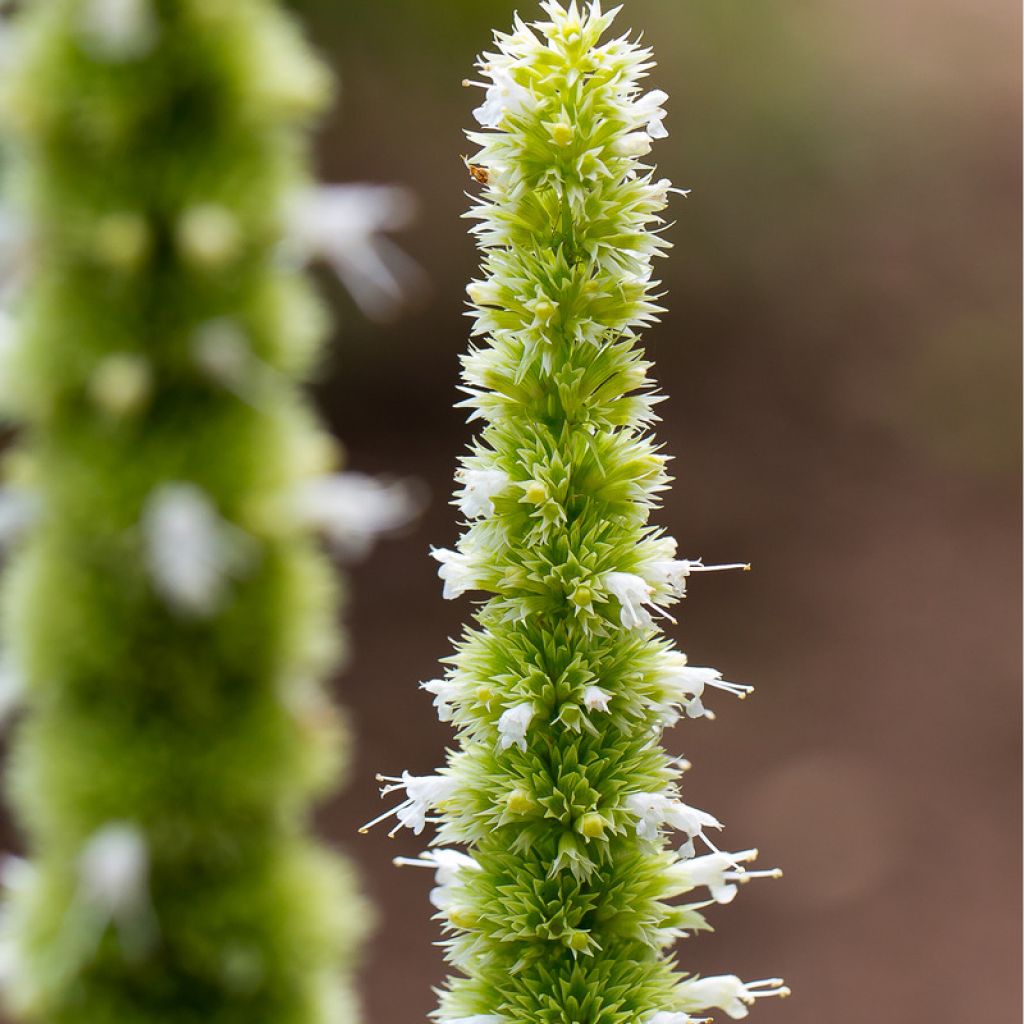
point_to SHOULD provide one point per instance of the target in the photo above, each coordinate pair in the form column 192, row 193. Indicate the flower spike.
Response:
column 564, row 904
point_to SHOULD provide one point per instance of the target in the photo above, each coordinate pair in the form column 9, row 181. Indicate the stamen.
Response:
column 771, row 986
column 383, row 817
column 741, row 690
column 697, row 566
column 413, row 862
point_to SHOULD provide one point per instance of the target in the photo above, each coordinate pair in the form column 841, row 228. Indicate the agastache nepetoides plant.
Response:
column 168, row 615
column 563, row 909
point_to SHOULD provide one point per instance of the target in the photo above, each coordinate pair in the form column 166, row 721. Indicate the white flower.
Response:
column 113, row 870
column 448, row 866
column 346, row 225
column 633, row 592
column 479, row 488
column 445, row 692
column 667, row 1017
column 650, row 108
column 726, row 992
column 633, row 144
column 456, row 571
column 352, row 509
column 719, row 872
column 118, row 30
column 656, row 809
column 187, row 548
column 504, row 96
column 596, row 699
column 671, row 573
column 685, row 684
column 422, row 792
column 513, row 724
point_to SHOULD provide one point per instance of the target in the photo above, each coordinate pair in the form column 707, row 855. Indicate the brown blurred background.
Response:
column 842, row 359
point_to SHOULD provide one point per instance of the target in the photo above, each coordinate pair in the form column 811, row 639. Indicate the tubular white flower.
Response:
column 650, row 108
column 671, row 574
column 719, row 872
column 673, row 1017
column 653, row 810
column 634, row 144
column 728, row 993
column 513, row 724
column 632, row 593
column 448, row 866
column 456, row 570
column 422, row 794
column 479, row 489
column 504, row 96
column 596, row 699
column 445, row 692
column 352, row 509
column 346, row 225
column 685, row 684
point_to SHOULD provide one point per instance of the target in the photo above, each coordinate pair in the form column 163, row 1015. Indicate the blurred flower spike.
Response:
column 348, row 227
column 169, row 613
column 565, row 904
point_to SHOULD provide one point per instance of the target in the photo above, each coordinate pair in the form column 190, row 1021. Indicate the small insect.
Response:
column 476, row 172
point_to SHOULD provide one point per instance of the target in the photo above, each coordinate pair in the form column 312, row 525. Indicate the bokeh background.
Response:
column 843, row 364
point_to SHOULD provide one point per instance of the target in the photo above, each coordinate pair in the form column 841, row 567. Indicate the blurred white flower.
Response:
column 188, row 547
column 352, row 509
column 118, row 30
column 19, row 510
column 113, row 885
column 596, row 699
column 113, row 869
column 346, row 225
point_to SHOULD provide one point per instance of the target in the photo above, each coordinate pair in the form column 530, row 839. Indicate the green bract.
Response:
column 562, row 910
column 168, row 612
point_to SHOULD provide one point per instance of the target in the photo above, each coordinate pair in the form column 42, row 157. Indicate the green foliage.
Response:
column 169, row 611
column 562, row 910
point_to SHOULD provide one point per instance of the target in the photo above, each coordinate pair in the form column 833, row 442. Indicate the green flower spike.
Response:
column 168, row 615
column 561, row 911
